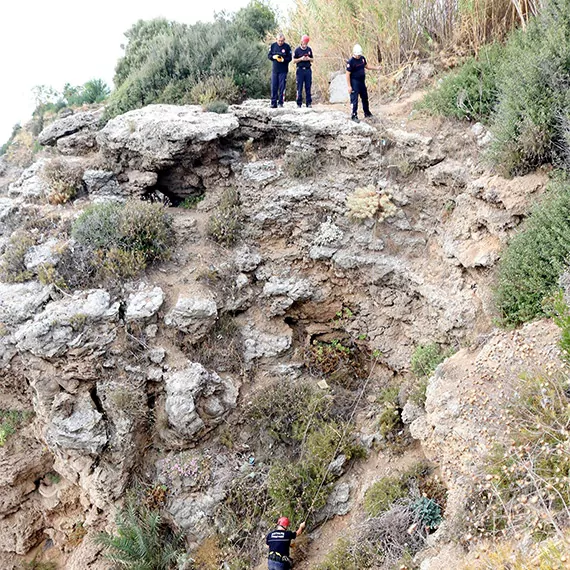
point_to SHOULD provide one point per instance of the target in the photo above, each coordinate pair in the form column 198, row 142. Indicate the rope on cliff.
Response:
column 340, row 441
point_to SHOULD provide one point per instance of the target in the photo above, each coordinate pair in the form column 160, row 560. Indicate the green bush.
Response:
column 286, row 415
column 529, row 124
column 469, row 92
column 126, row 237
column 191, row 202
column 115, row 242
column 147, row 229
column 165, row 61
column 219, row 88
column 142, row 540
column 97, row 226
column 534, row 259
column 389, row 420
column 13, row 267
column 428, row 511
column 93, row 91
column 382, row 494
column 225, row 224
column 299, row 488
column 426, row 358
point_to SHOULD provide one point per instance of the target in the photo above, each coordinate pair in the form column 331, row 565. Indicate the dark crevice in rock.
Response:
column 97, row 401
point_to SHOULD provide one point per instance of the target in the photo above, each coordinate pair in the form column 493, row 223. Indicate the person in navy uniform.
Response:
column 279, row 543
column 303, row 57
column 280, row 55
column 356, row 80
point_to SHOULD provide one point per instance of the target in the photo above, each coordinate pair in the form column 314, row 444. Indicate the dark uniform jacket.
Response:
column 299, row 52
column 280, row 541
column 356, row 67
column 285, row 52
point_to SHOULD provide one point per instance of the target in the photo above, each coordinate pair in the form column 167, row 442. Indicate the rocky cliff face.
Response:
column 116, row 380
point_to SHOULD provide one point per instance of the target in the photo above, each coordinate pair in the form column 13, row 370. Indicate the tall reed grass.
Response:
column 396, row 32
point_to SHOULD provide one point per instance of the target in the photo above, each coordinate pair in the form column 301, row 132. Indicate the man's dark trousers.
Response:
column 304, row 77
column 359, row 88
column 278, row 84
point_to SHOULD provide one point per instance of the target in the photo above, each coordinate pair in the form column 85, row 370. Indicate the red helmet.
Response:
column 283, row 521
column 305, row 39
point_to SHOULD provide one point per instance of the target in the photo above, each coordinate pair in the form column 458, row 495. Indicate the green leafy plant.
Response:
column 214, row 89
column 425, row 359
column 300, row 488
column 529, row 126
column 190, row 202
column 382, row 494
column 390, row 419
column 428, row 511
column 469, row 92
column 142, row 540
column 535, row 258
column 13, row 267
column 124, row 238
column 340, row 361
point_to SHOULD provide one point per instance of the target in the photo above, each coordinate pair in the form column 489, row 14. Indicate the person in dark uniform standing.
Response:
column 303, row 57
column 279, row 543
column 280, row 55
column 356, row 80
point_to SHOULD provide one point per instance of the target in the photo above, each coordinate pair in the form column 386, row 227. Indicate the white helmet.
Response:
column 357, row 49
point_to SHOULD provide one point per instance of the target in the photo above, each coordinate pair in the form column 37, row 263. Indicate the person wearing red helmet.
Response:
column 279, row 543
column 303, row 57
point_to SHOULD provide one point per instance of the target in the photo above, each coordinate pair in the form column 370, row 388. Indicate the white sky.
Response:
column 53, row 42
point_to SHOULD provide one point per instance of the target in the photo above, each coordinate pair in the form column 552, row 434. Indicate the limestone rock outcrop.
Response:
column 74, row 134
column 197, row 398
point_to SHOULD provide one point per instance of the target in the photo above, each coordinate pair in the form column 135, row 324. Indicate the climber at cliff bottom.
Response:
column 279, row 543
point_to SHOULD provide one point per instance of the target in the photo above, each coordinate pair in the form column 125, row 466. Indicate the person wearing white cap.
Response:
column 356, row 80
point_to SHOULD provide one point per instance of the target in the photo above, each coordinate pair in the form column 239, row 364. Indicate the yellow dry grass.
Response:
column 396, row 32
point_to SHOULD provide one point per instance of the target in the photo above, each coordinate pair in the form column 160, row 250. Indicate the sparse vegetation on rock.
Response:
column 225, row 224
column 64, row 180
